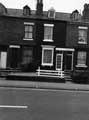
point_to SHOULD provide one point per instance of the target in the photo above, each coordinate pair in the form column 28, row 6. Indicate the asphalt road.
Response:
column 26, row 103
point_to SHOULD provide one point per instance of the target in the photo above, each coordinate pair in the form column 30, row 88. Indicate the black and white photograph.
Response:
column 44, row 59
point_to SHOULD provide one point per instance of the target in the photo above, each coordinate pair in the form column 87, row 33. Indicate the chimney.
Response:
column 39, row 7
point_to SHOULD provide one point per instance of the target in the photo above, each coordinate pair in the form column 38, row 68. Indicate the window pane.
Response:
column 26, row 35
column 47, row 56
column 48, row 32
column 30, row 35
column 26, row 28
column 30, row 28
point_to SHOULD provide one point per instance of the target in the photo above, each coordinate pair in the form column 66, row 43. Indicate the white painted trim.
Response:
column 49, row 25
column 14, row 46
column 65, row 49
column 61, row 61
column 47, row 48
column 27, row 39
column 82, row 42
column 12, row 106
column 81, row 65
column 83, row 27
column 72, row 60
column 48, row 40
column 28, row 23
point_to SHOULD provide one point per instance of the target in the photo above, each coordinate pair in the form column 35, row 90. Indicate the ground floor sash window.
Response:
column 81, row 59
column 47, row 55
column 27, row 55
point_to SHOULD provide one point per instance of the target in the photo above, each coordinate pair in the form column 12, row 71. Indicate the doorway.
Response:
column 14, row 57
column 68, row 62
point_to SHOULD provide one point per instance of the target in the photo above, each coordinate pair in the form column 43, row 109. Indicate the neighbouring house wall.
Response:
column 72, row 40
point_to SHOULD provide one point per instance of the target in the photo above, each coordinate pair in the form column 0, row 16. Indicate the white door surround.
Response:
column 60, row 57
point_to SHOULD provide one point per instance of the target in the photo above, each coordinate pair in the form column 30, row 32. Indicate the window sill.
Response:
column 81, row 65
column 43, row 64
column 82, row 43
column 48, row 40
column 27, row 39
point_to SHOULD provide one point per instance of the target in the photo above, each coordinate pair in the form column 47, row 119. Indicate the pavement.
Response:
column 44, row 85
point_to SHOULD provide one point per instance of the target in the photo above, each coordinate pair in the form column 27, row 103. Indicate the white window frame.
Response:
column 28, row 23
column 81, row 65
column 14, row 46
column 48, row 40
column 67, row 49
column 47, row 48
column 82, row 28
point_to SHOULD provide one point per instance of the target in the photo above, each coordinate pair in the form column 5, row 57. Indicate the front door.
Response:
column 14, row 57
column 68, row 62
column 3, row 59
column 59, row 61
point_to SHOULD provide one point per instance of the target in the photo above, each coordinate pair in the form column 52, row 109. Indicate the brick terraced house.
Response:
column 78, row 38
column 47, row 39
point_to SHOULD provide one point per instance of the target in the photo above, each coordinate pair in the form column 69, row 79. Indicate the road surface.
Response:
column 34, row 103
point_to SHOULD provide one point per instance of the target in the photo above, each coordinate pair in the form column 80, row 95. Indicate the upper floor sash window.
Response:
column 48, row 32
column 82, row 35
column 28, row 31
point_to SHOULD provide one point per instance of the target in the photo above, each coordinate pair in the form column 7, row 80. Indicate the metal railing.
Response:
column 50, row 73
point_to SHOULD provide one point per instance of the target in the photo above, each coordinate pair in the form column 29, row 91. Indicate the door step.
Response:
column 67, row 75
